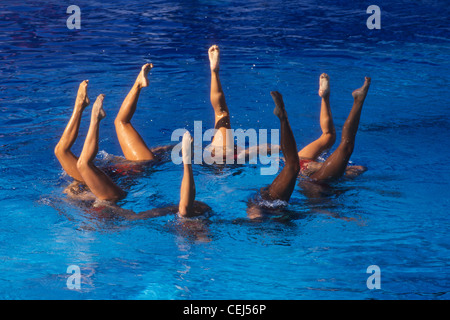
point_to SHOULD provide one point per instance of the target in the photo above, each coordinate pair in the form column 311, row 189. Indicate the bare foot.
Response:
column 142, row 79
column 97, row 109
column 82, row 98
column 186, row 147
column 279, row 104
column 214, row 58
column 324, row 85
column 360, row 94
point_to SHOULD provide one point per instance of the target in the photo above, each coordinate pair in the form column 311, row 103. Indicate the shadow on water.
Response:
column 324, row 198
column 90, row 214
column 319, row 198
column 77, row 204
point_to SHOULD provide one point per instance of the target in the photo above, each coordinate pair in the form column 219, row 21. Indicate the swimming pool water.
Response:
column 394, row 216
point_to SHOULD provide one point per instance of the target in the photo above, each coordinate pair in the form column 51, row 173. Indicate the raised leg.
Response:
column 217, row 97
column 132, row 144
column 62, row 150
column 313, row 150
column 187, row 191
column 284, row 184
column 97, row 181
column 336, row 164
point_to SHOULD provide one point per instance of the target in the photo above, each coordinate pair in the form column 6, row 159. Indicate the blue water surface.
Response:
column 394, row 216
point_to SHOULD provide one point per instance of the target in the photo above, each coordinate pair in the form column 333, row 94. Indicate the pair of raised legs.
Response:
column 334, row 167
column 83, row 169
column 336, row 164
column 132, row 144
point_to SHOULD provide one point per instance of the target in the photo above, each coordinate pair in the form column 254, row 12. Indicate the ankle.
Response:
column 79, row 107
column 138, row 85
column 282, row 115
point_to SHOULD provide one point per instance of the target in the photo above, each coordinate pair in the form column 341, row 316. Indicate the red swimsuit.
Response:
column 304, row 164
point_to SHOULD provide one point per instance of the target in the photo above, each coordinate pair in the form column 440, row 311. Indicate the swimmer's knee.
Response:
column 119, row 123
column 81, row 164
column 329, row 139
column 59, row 150
column 326, row 141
